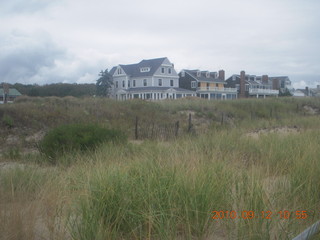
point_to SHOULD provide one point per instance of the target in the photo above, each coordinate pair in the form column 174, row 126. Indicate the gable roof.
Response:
column 12, row 92
column 203, row 78
column 133, row 70
column 112, row 71
column 280, row 78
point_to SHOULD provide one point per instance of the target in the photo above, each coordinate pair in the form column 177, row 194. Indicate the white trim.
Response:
column 145, row 69
column 168, row 76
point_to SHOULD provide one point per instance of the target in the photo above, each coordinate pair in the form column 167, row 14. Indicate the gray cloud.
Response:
column 24, row 56
column 262, row 37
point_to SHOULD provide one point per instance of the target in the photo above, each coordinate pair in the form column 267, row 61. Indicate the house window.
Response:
column 162, row 70
column 169, row 70
column 183, row 74
column 160, row 82
column 134, row 83
column 145, row 69
column 123, row 84
column 117, row 84
column 171, row 83
column 119, row 71
column 207, row 74
column 144, row 82
column 217, row 85
column 238, row 87
column 129, row 83
column 198, row 74
column 193, row 84
column 208, row 85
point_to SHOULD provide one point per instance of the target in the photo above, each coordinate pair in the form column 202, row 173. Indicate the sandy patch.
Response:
column 279, row 130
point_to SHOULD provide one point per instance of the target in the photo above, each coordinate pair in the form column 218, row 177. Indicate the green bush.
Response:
column 77, row 137
column 8, row 121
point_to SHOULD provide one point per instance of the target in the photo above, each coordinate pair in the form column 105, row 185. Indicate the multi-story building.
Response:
column 208, row 85
column 153, row 79
column 252, row 85
column 282, row 83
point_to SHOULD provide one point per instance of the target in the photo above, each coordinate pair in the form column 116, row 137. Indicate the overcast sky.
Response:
column 46, row 41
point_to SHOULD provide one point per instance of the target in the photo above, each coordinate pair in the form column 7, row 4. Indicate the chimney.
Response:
column 221, row 75
column 265, row 79
column 275, row 84
column 242, row 84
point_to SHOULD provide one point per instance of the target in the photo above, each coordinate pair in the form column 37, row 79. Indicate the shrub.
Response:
column 77, row 137
column 8, row 121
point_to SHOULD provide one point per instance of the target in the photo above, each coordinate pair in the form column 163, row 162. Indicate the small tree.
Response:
column 286, row 93
column 104, row 84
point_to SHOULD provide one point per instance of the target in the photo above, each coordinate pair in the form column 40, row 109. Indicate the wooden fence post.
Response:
column 190, row 123
column 222, row 119
column 177, row 128
column 136, row 128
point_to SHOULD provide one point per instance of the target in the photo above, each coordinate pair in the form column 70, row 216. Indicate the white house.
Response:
column 153, row 79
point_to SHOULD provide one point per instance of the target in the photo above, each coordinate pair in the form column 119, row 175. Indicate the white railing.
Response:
column 215, row 89
column 263, row 91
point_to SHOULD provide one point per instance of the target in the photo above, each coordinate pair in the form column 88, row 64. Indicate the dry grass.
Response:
column 166, row 189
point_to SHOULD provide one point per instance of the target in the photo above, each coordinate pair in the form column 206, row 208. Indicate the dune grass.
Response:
column 169, row 189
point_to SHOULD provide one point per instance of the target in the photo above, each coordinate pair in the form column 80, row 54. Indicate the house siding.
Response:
column 152, row 90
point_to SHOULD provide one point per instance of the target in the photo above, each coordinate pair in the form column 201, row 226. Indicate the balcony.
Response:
column 215, row 89
column 259, row 91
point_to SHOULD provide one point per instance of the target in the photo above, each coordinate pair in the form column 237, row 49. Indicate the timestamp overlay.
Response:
column 267, row 214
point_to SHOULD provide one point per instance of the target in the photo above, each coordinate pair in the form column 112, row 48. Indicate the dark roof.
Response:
column 12, row 92
column 203, row 77
column 133, row 70
column 254, row 82
column 112, row 71
column 280, row 77
column 303, row 90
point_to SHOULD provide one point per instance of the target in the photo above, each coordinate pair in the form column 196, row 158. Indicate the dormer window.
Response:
column 208, row 74
column 198, row 74
column 145, row 69
column 183, row 73
column 119, row 71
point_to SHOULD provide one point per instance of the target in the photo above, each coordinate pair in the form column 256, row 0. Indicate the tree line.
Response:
column 56, row 89
column 101, row 88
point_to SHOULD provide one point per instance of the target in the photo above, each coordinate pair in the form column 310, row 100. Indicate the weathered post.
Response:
column 177, row 129
column 152, row 131
column 190, row 123
column 136, row 129
column 222, row 116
